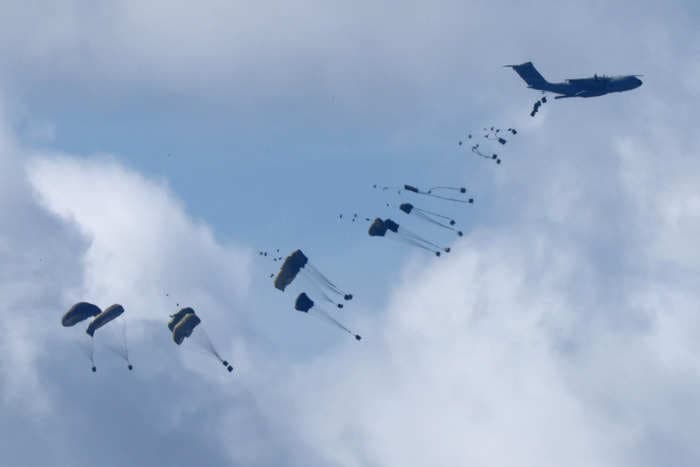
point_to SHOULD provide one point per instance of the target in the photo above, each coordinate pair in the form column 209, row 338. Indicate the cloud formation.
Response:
column 91, row 229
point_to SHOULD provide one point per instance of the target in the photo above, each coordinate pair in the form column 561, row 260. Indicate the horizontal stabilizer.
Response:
column 530, row 75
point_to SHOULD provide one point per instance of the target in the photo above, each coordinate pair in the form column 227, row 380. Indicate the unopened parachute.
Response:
column 431, row 217
column 456, row 194
column 536, row 107
column 381, row 228
column 304, row 304
column 297, row 263
column 183, row 323
column 478, row 152
column 493, row 134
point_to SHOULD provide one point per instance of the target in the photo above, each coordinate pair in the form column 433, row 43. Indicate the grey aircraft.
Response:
column 580, row 87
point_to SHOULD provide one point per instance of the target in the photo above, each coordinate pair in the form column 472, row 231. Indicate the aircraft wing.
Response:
column 583, row 81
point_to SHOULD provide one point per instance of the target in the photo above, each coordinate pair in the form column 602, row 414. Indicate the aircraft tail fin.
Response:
column 530, row 75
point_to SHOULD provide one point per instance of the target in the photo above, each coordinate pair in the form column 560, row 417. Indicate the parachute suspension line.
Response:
column 91, row 354
column 414, row 243
column 121, row 348
column 323, row 278
column 420, row 239
column 208, row 344
column 319, row 289
column 453, row 188
column 126, row 347
column 475, row 150
column 312, row 271
column 211, row 349
column 425, row 211
column 433, row 221
column 324, row 314
column 447, row 198
column 385, row 188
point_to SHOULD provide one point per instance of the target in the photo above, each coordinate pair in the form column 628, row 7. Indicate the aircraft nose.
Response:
column 637, row 82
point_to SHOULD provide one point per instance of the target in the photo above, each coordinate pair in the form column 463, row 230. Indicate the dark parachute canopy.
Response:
column 379, row 228
column 290, row 269
column 431, row 217
column 79, row 312
column 110, row 314
column 304, row 304
column 298, row 262
column 182, row 325
column 185, row 325
column 175, row 319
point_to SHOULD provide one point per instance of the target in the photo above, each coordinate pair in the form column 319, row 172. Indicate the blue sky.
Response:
column 153, row 148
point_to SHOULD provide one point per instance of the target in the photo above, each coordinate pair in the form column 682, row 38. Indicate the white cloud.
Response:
column 274, row 48
column 90, row 229
column 142, row 243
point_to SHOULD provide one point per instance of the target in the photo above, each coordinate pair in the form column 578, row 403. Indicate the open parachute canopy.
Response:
column 290, row 269
column 177, row 317
column 298, row 262
column 185, row 326
column 304, row 304
column 79, row 312
column 182, row 325
column 84, row 310
column 380, row 227
column 103, row 318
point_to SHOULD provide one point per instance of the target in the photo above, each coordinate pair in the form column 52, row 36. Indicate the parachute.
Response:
column 435, row 192
column 103, row 318
column 304, row 304
column 175, row 319
column 493, row 156
column 493, row 134
column 432, row 217
column 182, row 325
column 108, row 315
column 79, row 312
column 290, row 269
column 379, row 228
column 298, row 262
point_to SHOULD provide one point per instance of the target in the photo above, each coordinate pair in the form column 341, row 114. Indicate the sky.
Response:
column 148, row 151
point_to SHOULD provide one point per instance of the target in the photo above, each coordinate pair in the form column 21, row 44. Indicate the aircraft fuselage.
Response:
column 580, row 87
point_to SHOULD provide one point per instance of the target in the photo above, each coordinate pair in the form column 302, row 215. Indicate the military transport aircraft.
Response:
column 581, row 87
